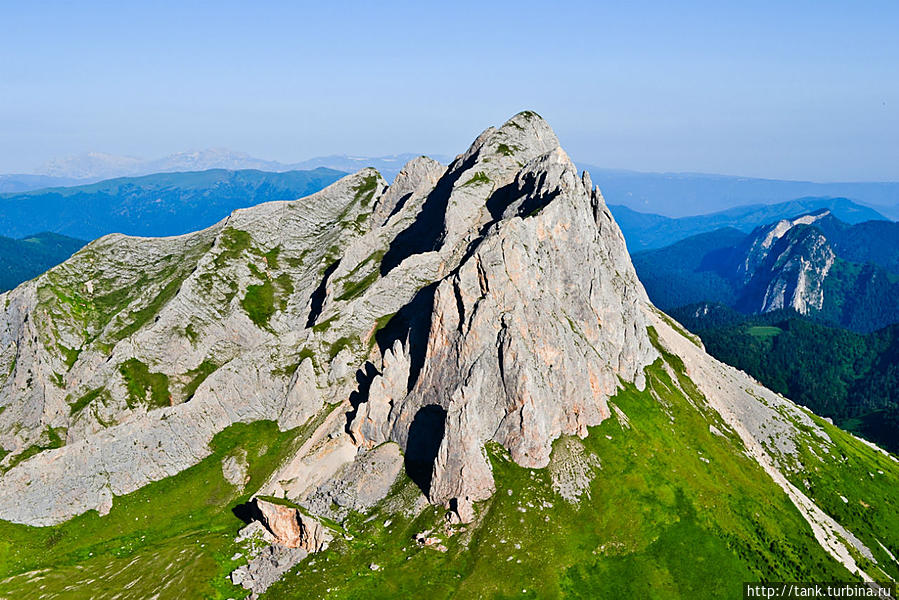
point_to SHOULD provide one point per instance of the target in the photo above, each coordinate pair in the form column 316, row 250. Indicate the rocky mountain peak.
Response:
column 495, row 295
column 374, row 348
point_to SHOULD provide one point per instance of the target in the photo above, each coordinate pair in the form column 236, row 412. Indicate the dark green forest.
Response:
column 846, row 376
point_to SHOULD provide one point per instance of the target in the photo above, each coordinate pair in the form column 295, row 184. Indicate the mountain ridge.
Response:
column 153, row 205
column 472, row 342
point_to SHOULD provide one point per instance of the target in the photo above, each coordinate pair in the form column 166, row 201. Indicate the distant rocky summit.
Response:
column 814, row 265
column 463, row 388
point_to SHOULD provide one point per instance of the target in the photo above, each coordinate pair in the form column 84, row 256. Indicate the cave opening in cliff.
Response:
column 425, row 436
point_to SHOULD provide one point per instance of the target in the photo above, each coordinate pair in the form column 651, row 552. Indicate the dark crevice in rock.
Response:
column 524, row 189
column 460, row 306
column 425, row 435
column 427, row 230
column 364, row 377
column 247, row 512
column 411, row 324
column 319, row 295
column 399, row 206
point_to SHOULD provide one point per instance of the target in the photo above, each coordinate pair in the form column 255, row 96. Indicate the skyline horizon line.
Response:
column 38, row 170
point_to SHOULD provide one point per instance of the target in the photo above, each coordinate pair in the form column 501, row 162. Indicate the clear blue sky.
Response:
column 799, row 90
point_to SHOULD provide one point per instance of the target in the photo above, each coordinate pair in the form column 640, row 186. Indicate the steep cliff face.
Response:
column 791, row 274
column 468, row 329
column 527, row 338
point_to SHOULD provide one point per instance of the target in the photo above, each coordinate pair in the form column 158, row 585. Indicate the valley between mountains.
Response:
column 453, row 385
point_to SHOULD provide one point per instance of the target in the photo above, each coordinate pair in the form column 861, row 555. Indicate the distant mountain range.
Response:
column 688, row 194
column 815, row 265
column 669, row 194
column 152, row 205
column 97, row 166
column 24, row 259
column 645, row 231
column 24, row 183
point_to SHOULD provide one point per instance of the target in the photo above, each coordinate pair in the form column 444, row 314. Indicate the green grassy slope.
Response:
column 174, row 537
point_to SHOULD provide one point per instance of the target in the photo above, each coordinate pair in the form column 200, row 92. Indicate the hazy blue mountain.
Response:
column 872, row 241
column 23, row 182
column 644, row 231
column 814, row 265
column 153, row 205
column 388, row 165
column 21, row 260
column 96, row 166
column 685, row 194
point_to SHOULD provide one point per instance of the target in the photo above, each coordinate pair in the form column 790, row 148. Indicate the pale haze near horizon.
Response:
column 808, row 91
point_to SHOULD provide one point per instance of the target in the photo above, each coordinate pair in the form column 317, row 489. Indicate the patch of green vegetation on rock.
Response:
column 296, row 262
column 55, row 439
column 271, row 257
column 507, row 150
column 365, row 190
column 173, row 537
column 259, row 302
column 341, row 343
column 234, row 242
column 144, row 387
column 257, row 272
column 354, row 289
column 142, row 316
column 290, row 369
column 191, row 334
column 479, row 178
column 380, row 323
column 79, row 404
column 70, row 355
column 324, row 325
column 198, row 376
column 284, row 284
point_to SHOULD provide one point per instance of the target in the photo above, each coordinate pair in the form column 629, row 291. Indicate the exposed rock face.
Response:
column 527, row 336
column 758, row 246
column 292, row 528
column 267, row 560
column 359, row 485
column 792, row 273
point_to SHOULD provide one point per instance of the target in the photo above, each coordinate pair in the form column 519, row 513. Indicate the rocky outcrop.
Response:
column 527, row 337
column 291, row 528
column 267, row 560
column 359, row 485
column 492, row 300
